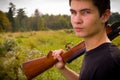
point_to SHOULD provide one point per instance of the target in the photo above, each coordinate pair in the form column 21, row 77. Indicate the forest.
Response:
column 16, row 20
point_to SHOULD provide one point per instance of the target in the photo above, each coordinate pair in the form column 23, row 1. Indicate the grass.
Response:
column 33, row 45
column 37, row 44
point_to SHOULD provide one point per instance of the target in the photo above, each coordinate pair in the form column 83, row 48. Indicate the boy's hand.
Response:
column 57, row 55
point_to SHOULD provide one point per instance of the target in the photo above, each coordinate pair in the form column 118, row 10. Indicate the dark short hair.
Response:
column 102, row 5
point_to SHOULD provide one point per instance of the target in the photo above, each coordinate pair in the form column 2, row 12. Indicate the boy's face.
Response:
column 85, row 18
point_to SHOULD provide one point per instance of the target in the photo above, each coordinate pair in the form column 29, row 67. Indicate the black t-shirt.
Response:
column 101, row 63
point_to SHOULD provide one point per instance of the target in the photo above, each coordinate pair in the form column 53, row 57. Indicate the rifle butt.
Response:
column 35, row 67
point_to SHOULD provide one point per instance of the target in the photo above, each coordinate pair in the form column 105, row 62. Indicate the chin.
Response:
column 80, row 35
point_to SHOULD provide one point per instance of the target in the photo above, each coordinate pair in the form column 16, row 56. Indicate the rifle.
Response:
column 35, row 67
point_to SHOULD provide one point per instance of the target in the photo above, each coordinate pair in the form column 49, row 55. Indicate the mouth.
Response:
column 78, row 29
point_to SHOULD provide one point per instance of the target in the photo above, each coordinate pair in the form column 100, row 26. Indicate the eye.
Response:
column 85, row 12
column 73, row 12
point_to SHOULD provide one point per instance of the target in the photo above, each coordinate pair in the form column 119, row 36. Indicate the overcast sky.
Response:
column 47, row 6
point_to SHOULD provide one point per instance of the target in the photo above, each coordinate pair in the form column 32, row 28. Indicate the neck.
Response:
column 95, row 41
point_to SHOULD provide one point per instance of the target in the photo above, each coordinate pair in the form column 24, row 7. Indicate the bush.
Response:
column 9, row 62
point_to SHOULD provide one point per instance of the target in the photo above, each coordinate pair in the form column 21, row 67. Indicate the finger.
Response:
column 54, row 54
column 57, row 53
column 59, row 58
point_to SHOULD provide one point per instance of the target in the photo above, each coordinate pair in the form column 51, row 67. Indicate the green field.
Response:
column 16, row 48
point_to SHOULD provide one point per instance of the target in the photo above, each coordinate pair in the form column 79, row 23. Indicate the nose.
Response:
column 78, row 19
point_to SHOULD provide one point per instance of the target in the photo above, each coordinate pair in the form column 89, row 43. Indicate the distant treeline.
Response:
column 16, row 20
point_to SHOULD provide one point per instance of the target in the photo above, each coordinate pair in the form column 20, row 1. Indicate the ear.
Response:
column 105, row 17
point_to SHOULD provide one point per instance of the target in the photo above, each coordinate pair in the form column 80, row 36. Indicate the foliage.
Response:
column 58, row 22
column 21, row 22
column 17, row 48
column 4, row 22
column 20, row 47
column 115, row 17
column 9, row 62
column 116, row 41
column 10, row 16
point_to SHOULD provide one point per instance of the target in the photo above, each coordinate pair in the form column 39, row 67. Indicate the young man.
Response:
column 102, row 58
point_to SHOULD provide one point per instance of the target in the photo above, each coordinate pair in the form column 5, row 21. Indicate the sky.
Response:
column 47, row 6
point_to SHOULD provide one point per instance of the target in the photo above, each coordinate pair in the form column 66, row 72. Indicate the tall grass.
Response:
column 30, row 45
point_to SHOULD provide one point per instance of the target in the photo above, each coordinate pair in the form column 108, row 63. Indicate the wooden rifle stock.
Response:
column 37, row 66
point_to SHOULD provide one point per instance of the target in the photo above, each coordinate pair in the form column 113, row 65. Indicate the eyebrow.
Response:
column 72, row 10
column 85, row 9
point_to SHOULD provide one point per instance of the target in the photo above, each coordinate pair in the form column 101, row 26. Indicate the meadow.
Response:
column 16, row 48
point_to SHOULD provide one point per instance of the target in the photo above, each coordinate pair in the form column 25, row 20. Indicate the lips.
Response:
column 78, row 29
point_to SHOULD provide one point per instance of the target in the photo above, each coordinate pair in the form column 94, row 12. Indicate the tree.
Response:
column 11, row 14
column 115, row 17
column 4, row 22
column 37, row 21
column 58, row 22
column 21, row 19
